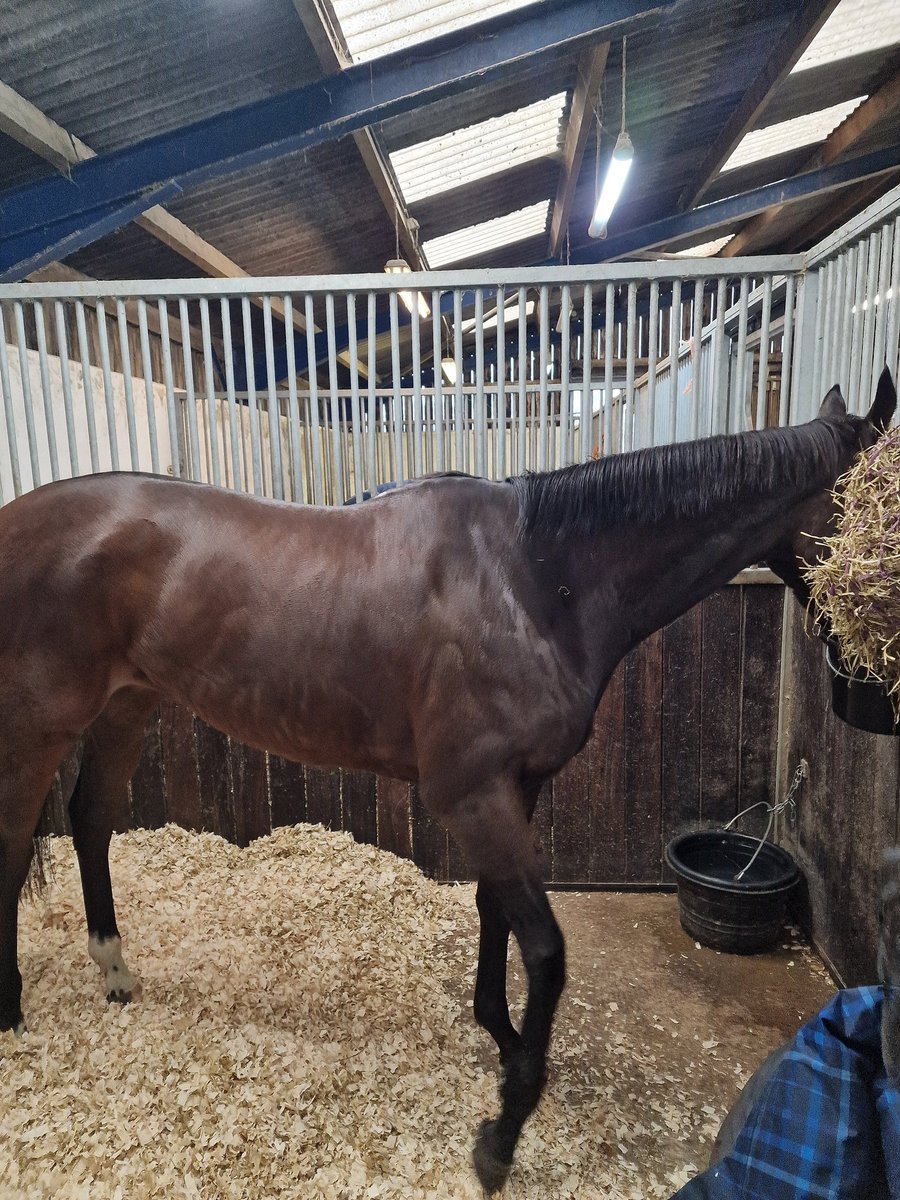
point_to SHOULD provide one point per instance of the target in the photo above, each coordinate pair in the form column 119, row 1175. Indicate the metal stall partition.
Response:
column 320, row 390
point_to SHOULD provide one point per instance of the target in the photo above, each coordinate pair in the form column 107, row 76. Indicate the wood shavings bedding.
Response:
column 296, row 1037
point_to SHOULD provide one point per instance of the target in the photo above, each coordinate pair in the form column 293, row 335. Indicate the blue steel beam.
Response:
column 331, row 108
column 738, row 208
column 35, row 248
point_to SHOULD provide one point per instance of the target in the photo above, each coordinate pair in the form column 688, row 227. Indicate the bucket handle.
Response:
column 801, row 773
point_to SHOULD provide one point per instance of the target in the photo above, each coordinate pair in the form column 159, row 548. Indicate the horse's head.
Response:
column 852, row 435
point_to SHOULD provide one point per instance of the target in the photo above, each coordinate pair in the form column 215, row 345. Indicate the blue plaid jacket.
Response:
column 826, row 1122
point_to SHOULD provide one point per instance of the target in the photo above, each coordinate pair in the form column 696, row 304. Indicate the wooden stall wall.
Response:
column 847, row 811
column 685, row 735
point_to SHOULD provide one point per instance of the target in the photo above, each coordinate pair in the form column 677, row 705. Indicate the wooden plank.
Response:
column 215, row 781
column 781, row 60
column 360, row 806
column 591, row 66
column 393, row 816
column 643, row 762
column 607, row 803
column 680, row 727
column 572, row 790
column 287, row 791
column 850, row 131
column 147, row 790
column 720, row 705
column 323, row 797
column 252, row 818
column 179, row 756
column 429, row 840
column 762, row 611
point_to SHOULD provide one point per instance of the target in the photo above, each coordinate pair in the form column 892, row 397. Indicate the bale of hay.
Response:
column 856, row 586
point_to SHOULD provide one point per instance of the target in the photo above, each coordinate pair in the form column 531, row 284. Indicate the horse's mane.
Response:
column 682, row 481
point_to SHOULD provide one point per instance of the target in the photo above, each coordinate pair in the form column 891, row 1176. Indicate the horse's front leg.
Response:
column 493, row 830
column 490, row 1004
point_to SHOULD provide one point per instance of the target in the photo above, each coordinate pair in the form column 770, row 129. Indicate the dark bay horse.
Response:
column 455, row 632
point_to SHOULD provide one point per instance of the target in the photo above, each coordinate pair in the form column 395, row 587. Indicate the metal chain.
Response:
column 801, row 773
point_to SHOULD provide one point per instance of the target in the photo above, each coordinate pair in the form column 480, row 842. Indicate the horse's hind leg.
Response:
column 493, row 830
column 27, row 767
column 112, row 749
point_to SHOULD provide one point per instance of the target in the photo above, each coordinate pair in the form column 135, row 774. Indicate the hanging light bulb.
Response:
column 448, row 366
column 616, row 173
column 399, row 266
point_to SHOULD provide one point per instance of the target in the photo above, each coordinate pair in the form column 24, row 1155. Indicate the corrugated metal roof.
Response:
column 371, row 30
column 116, row 72
column 478, row 151
column 804, row 130
column 470, row 243
column 854, row 27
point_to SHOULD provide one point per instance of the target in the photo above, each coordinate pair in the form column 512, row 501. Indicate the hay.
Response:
column 856, row 587
column 296, row 1037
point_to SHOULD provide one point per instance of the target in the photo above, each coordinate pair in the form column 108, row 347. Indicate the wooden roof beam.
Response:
column 788, row 50
column 28, row 125
column 879, row 105
column 324, row 31
column 591, row 66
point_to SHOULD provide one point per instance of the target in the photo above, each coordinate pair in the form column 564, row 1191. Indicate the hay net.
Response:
column 855, row 588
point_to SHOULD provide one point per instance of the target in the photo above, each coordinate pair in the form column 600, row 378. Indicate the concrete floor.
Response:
column 646, row 1003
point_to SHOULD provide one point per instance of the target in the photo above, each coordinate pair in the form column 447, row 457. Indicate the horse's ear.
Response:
column 833, row 405
column 879, row 415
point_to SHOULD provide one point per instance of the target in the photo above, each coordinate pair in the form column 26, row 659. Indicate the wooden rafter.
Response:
column 591, row 66
column 324, row 32
column 28, row 125
column 879, row 105
column 788, row 50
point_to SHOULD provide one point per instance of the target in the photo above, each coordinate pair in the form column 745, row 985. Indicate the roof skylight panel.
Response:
column 479, row 239
column 372, row 30
column 478, row 151
column 855, row 27
column 806, row 130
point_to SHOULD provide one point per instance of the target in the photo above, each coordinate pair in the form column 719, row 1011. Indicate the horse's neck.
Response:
column 644, row 577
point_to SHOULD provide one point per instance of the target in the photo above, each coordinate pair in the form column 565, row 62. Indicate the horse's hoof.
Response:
column 491, row 1170
column 17, row 1029
column 125, row 995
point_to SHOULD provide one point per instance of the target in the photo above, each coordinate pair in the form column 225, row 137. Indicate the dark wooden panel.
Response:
column 847, row 813
column 642, row 766
column 680, row 720
column 429, row 840
column 571, row 816
column 607, row 810
column 287, row 791
column 252, row 818
column 323, row 798
column 360, row 806
column 393, row 816
column 216, row 785
column 763, row 609
column 720, row 702
column 148, row 788
column 179, row 753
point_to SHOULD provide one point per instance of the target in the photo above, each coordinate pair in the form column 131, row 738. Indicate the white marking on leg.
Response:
column 107, row 954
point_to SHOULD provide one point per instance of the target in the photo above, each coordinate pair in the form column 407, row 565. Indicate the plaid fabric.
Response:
column 827, row 1121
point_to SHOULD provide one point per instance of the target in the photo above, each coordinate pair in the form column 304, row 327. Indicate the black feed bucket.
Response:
column 742, row 916
column 857, row 699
